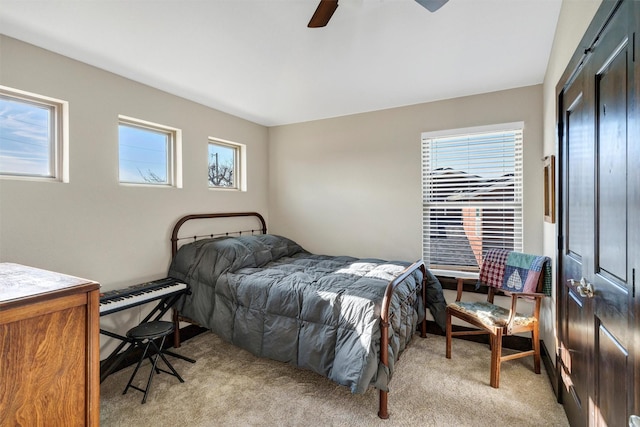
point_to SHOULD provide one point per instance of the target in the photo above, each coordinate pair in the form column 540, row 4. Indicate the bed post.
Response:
column 176, row 328
column 383, row 411
column 423, row 330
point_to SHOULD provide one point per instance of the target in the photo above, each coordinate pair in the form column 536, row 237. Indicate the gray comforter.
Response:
column 266, row 294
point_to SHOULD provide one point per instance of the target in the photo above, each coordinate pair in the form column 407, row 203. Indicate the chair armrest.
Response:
column 460, row 283
column 459, row 276
column 514, row 301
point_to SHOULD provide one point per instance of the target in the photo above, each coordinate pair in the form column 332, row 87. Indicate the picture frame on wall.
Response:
column 550, row 189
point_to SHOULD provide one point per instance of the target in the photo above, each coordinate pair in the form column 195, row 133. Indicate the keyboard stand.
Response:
column 116, row 357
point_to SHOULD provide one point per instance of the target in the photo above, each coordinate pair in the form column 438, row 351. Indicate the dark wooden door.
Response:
column 596, row 280
column 577, row 183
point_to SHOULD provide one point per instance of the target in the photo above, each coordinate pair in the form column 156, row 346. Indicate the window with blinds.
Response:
column 471, row 194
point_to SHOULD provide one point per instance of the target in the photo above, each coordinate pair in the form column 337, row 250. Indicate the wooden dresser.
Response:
column 49, row 348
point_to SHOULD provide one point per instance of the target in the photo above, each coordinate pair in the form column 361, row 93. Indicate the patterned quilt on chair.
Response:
column 515, row 271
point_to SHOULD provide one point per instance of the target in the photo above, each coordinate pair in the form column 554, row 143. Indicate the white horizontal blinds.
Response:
column 472, row 196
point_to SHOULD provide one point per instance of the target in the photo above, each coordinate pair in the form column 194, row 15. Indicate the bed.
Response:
column 345, row 318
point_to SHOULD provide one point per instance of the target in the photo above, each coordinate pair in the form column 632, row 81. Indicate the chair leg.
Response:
column 496, row 353
column 448, row 333
column 536, row 350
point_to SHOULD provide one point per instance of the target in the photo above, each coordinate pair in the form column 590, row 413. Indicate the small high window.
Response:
column 33, row 141
column 149, row 153
column 225, row 160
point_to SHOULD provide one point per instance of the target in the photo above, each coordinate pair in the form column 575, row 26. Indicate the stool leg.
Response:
column 135, row 371
column 166, row 362
column 151, row 362
column 175, row 373
column 153, row 368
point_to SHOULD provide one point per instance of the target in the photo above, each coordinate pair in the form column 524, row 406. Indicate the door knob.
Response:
column 585, row 289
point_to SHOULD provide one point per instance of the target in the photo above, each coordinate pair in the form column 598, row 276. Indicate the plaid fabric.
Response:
column 492, row 271
column 515, row 271
column 546, row 289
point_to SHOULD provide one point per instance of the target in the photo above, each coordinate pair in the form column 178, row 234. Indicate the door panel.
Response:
column 611, row 296
column 579, row 157
column 611, row 91
column 575, row 362
column 596, row 321
column 578, row 175
column 633, row 186
column 610, row 407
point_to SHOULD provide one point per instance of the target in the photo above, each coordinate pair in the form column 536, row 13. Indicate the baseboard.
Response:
column 190, row 331
column 549, row 365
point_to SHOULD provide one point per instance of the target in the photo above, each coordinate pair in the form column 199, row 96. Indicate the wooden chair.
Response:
column 497, row 321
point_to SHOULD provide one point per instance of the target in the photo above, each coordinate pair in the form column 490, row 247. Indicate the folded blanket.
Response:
column 492, row 271
column 515, row 271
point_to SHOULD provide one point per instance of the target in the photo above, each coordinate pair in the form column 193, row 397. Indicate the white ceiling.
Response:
column 257, row 59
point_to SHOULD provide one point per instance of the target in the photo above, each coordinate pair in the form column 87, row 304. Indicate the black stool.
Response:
column 144, row 335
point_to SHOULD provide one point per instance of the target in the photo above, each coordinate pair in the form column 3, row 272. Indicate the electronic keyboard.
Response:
column 121, row 299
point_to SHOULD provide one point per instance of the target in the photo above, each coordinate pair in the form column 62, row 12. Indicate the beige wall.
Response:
column 575, row 16
column 352, row 185
column 93, row 227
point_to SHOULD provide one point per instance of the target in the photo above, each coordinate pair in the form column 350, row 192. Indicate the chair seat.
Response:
column 490, row 315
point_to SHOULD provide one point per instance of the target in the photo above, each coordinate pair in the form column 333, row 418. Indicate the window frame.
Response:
column 174, row 152
column 239, row 162
column 58, row 143
column 517, row 204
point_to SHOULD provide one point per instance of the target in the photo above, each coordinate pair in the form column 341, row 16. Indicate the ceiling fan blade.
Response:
column 323, row 13
column 432, row 5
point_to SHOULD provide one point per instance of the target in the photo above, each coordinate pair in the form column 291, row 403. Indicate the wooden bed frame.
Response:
column 386, row 302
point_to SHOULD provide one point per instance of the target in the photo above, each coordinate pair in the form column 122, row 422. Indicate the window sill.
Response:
column 455, row 274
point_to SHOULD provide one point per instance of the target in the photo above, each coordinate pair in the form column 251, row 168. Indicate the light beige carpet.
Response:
column 228, row 386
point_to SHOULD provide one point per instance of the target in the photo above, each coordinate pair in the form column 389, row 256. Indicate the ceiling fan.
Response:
column 325, row 10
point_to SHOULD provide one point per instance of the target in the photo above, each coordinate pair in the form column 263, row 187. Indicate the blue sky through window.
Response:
column 487, row 155
column 224, row 154
column 143, row 155
column 221, row 156
column 26, row 145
